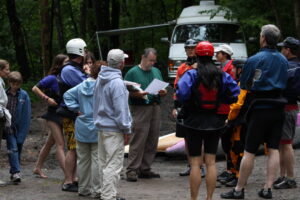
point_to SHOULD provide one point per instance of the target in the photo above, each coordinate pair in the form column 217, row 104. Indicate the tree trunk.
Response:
column 72, row 17
column 46, row 34
column 297, row 17
column 115, row 19
column 83, row 17
column 59, row 24
column 18, row 39
column 273, row 4
column 103, row 17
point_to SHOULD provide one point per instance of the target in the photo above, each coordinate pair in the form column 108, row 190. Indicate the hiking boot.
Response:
column 286, row 184
column 233, row 194
column 265, row 193
column 229, row 178
column 186, row 172
column 15, row 178
column 131, row 176
column 223, row 176
column 148, row 174
column 69, row 187
column 279, row 180
column 232, row 183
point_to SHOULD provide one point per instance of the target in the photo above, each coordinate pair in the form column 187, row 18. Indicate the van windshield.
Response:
column 221, row 33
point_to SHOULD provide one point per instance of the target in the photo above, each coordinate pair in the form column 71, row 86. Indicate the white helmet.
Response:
column 224, row 48
column 76, row 46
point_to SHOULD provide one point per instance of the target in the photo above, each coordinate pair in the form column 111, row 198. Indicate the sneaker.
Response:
column 232, row 183
column 223, row 175
column 69, row 187
column 15, row 178
column 203, row 172
column 186, row 172
column 279, row 180
column 265, row 193
column 148, row 174
column 131, row 176
column 233, row 194
column 230, row 177
column 120, row 198
column 286, row 184
column 2, row 183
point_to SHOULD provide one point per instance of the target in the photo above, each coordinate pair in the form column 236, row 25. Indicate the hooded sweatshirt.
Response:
column 111, row 109
column 80, row 99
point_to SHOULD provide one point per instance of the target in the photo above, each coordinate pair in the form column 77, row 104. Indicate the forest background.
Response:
column 32, row 32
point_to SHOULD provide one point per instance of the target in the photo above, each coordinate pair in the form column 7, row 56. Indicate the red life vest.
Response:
column 204, row 98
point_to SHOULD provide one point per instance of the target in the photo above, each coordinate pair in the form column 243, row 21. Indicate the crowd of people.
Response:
column 94, row 111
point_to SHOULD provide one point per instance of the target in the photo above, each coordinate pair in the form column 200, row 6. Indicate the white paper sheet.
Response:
column 155, row 86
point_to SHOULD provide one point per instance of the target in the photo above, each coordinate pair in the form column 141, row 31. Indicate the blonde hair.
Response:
column 15, row 77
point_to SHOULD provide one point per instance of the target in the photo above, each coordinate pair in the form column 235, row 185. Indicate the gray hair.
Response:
column 114, row 64
column 147, row 51
column 271, row 33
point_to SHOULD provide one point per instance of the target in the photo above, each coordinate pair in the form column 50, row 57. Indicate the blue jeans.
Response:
column 14, row 153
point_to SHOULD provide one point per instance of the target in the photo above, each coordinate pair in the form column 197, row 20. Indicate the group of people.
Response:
column 91, row 107
column 88, row 109
column 244, row 105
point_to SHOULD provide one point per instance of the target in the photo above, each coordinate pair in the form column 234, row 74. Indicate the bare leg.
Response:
column 195, row 176
column 43, row 155
column 282, row 160
column 287, row 160
column 70, row 166
column 272, row 166
column 211, row 176
column 59, row 142
column 245, row 170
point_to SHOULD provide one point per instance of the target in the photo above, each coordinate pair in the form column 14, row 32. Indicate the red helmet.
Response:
column 204, row 48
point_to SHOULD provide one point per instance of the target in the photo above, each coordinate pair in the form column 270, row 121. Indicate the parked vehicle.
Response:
column 196, row 22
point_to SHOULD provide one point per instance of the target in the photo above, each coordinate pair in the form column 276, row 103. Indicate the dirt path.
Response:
column 169, row 187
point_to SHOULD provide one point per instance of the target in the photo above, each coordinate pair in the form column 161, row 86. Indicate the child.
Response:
column 80, row 99
column 20, row 109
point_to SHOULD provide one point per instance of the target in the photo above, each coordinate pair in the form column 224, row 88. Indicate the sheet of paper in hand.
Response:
column 155, row 86
column 132, row 86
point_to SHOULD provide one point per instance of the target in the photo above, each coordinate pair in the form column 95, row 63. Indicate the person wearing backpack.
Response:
column 190, row 63
column 201, row 91
column 289, row 48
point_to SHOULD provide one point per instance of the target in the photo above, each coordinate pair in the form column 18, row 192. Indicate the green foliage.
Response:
column 27, row 87
column 252, row 14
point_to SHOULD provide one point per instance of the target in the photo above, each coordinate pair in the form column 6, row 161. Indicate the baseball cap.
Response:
column 224, row 48
column 290, row 42
column 116, row 56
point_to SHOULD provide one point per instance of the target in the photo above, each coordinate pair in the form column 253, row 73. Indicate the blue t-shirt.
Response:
column 50, row 86
column 49, row 82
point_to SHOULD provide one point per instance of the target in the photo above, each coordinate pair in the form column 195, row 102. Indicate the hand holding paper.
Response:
column 156, row 86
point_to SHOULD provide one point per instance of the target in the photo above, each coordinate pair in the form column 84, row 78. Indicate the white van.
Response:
column 195, row 23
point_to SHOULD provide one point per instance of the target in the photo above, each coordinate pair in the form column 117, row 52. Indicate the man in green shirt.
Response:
column 146, row 115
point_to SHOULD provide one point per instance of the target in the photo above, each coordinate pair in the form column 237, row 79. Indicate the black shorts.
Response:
column 264, row 125
column 195, row 139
